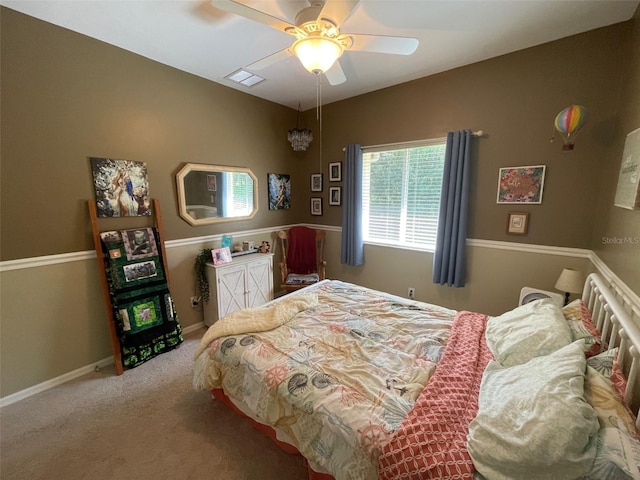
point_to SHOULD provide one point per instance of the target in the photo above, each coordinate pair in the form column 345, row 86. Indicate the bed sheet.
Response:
column 337, row 379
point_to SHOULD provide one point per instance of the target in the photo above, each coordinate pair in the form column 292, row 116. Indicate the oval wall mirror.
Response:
column 213, row 193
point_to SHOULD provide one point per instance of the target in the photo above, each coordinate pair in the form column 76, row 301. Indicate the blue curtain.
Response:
column 352, row 244
column 449, row 260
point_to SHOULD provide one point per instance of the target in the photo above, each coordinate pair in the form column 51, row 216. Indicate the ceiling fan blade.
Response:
column 335, row 75
column 338, row 10
column 270, row 59
column 238, row 8
column 383, row 44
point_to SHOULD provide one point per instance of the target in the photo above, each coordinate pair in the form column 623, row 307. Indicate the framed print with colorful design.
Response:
column 121, row 187
column 279, row 191
column 521, row 184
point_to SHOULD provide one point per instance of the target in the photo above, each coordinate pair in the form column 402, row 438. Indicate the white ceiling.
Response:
column 193, row 36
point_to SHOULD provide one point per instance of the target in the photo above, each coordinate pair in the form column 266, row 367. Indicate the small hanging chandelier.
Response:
column 299, row 138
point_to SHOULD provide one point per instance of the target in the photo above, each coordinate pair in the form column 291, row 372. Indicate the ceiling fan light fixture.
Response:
column 317, row 54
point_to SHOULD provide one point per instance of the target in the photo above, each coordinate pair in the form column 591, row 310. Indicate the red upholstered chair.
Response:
column 302, row 257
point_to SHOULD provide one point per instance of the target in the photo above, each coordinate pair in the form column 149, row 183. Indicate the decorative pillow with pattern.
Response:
column 582, row 326
column 606, row 363
column 618, row 447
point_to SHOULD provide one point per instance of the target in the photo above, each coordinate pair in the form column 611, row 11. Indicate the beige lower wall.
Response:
column 494, row 276
column 53, row 317
column 53, row 321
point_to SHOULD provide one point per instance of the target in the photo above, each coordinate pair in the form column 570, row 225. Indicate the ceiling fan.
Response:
column 319, row 42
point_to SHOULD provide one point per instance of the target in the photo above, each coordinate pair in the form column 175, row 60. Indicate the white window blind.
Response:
column 239, row 192
column 401, row 188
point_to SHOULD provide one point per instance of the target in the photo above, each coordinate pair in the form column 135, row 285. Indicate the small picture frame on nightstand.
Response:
column 221, row 255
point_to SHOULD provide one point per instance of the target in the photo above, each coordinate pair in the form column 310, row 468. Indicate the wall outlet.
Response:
column 195, row 302
column 411, row 293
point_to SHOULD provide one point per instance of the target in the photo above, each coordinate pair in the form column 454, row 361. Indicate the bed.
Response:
column 368, row 385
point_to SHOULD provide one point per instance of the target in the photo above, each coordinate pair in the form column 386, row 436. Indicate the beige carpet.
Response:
column 146, row 424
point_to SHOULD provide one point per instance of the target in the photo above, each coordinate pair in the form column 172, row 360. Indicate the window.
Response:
column 239, row 201
column 401, row 193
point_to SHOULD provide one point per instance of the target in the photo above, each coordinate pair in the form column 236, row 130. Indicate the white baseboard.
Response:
column 67, row 377
column 54, row 382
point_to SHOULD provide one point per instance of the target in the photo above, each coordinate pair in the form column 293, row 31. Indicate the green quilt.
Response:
column 146, row 320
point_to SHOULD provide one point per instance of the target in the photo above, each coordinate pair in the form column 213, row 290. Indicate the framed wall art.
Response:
column 335, row 172
column 212, row 183
column 279, row 191
column 316, row 182
column 316, row 206
column 334, row 195
column 521, row 184
column 628, row 189
column 517, row 223
column 121, row 187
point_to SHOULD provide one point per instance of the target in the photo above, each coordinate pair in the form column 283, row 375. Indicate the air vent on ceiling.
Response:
column 247, row 79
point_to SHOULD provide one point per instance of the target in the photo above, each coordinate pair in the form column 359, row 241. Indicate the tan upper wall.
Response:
column 616, row 237
column 66, row 97
column 514, row 99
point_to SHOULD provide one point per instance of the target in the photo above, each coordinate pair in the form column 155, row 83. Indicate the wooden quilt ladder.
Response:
column 93, row 214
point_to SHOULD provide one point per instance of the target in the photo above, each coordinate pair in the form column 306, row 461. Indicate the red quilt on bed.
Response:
column 431, row 443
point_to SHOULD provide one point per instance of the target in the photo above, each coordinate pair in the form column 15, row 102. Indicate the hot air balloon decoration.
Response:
column 568, row 122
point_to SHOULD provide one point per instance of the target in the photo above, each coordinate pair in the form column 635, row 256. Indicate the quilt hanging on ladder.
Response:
column 145, row 316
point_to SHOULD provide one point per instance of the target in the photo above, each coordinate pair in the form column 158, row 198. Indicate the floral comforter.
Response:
column 337, row 379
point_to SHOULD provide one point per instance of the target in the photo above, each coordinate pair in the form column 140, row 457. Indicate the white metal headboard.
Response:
column 618, row 319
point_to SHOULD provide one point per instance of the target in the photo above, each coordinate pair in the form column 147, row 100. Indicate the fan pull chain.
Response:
column 319, row 113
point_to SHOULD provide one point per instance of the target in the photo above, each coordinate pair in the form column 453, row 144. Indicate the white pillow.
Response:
column 531, row 330
column 533, row 422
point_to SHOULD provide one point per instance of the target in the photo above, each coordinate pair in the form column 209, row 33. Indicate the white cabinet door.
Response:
column 259, row 282
column 231, row 289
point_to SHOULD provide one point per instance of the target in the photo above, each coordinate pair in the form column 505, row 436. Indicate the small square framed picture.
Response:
column 211, row 183
column 221, row 255
column 335, row 172
column 316, row 206
column 316, row 182
column 517, row 223
column 334, row 195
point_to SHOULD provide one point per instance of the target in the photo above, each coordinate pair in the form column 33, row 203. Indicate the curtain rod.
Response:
column 477, row 133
